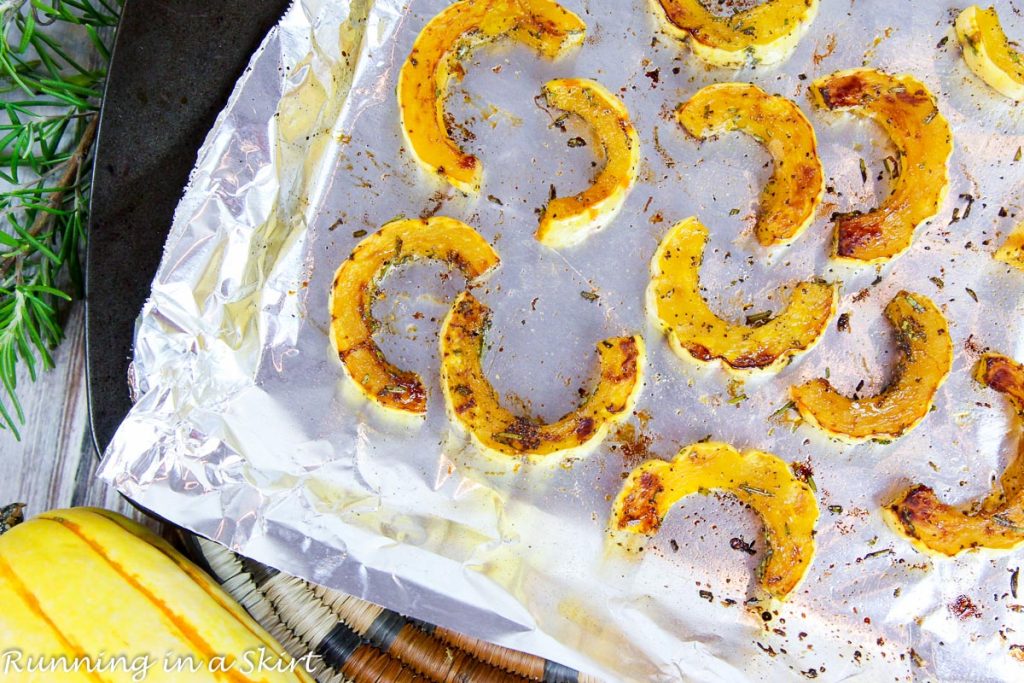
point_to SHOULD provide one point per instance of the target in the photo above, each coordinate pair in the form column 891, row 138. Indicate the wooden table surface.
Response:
column 55, row 462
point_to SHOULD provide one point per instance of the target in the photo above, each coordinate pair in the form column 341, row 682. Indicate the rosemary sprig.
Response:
column 53, row 61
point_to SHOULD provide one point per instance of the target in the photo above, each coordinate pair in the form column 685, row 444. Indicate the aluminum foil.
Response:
column 247, row 431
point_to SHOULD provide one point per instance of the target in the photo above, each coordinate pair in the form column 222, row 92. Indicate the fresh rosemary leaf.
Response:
column 52, row 92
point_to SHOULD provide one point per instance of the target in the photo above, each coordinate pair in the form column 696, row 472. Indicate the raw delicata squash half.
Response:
column 570, row 220
column 437, row 56
column 997, row 521
column 675, row 302
column 988, row 52
column 474, row 404
column 764, row 34
column 926, row 356
column 909, row 115
column 792, row 195
column 356, row 288
column 90, row 596
column 786, row 504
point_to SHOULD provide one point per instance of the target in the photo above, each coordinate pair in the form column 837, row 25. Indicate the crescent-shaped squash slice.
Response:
column 988, row 53
column 1012, row 251
column 436, row 57
column 926, row 356
column 909, row 115
column 355, row 289
column 995, row 523
column 695, row 332
column 570, row 220
column 473, row 403
column 793, row 193
column 786, row 504
column 764, row 34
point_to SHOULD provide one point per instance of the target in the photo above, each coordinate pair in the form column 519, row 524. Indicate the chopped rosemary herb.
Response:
column 913, row 303
column 1002, row 520
column 754, row 490
column 758, row 319
column 507, row 438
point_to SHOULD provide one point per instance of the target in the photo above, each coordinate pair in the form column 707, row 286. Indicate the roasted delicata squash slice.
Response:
column 909, row 115
column 792, row 195
column 473, row 403
column 764, row 34
column 570, row 220
column 786, row 504
column 355, row 290
column 695, row 332
column 988, row 52
column 437, row 56
column 926, row 356
column 1012, row 251
column 995, row 523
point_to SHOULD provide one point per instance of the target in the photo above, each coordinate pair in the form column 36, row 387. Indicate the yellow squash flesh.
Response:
column 473, row 403
column 1012, row 251
column 786, row 504
column 793, row 193
column 764, row 34
column 570, row 220
column 909, row 115
column 84, row 583
column 926, row 356
column 356, row 288
column 988, row 53
column 695, row 332
column 437, row 56
column 996, row 522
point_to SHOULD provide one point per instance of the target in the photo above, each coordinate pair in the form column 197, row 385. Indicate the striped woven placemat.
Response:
column 356, row 640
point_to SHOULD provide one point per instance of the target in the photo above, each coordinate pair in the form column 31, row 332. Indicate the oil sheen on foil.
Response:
column 247, row 431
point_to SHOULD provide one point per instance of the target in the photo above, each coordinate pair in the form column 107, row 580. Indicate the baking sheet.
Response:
column 247, row 431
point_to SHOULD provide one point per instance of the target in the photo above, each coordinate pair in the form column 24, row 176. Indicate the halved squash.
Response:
column 695, row 332
column 988, row 52
column 436, row 57
column 761, row 480
column 926, row 356
column 995, row 523
column 764, row 34
column 792, row 195
column 355, row 289
column 474, row 404
column 1012, row 251
column 909, row 115
column 91, row 596
column 570, row 220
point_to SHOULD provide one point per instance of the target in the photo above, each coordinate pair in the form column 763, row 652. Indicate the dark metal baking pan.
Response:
column 174, row 65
